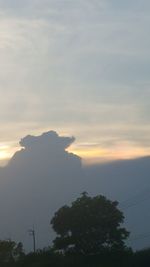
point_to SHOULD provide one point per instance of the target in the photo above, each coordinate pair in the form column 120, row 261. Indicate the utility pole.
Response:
column 32, row 233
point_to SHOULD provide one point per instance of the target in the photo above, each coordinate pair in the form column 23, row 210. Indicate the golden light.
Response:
column 119, row 151
column 3, row 155
column 89, row 153
column 6, row 152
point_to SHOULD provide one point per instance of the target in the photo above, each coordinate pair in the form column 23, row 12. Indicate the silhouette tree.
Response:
column 10, row 251
column 89, row 226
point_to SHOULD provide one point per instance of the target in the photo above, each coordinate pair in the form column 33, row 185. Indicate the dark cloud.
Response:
column 49, row 139
column 43, row 176
column 128, row 182
column 38, row 179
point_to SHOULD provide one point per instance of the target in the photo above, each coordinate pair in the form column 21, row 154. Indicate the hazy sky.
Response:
column 79, row 67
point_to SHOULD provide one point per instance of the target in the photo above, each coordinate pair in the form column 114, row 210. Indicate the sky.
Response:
column 80, row 68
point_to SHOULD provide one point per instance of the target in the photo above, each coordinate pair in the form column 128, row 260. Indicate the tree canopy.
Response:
column 89, row 225
column 10, row 251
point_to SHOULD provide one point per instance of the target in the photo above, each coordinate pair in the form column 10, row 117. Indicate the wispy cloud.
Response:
column 68, row 65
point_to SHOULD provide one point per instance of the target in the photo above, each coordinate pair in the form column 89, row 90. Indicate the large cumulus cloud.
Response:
column 38, row 179
column 44, row 176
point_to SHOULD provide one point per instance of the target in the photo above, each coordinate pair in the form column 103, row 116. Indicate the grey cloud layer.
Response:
column 43, row 176
column 83, row 58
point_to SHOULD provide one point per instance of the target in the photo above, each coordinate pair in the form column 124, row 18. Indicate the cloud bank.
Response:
column 43, row 176
column 38, row 179
column 55, row 53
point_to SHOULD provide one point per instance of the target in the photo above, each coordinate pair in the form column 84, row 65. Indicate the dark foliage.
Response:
column 10, row 252
column 49, row 258
column 141, row 258
column 89, row 226
column 89, row 234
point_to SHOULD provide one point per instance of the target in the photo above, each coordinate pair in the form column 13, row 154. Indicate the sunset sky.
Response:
column 80, row 68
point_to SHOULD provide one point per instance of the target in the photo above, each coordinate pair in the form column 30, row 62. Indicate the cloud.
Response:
column 87, row 59
column 128, row 182
column 37, row 180
column 44, row 176
column 49, row 139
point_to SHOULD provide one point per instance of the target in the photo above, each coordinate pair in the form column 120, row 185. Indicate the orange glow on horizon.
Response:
column 6, row 152
column 89, row 153
column 120, row 151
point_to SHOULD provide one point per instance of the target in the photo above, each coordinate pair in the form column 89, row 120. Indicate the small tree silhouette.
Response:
column 10, row 251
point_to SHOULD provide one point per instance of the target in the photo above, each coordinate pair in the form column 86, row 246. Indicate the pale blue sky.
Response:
column 79, row 67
